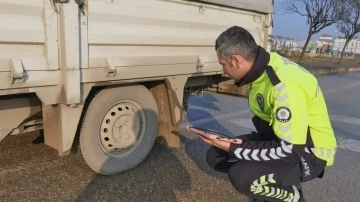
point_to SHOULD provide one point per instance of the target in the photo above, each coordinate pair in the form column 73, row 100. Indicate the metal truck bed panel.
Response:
column 28, row 29
column 115, row 40
column 127, row 30
column 263, row 6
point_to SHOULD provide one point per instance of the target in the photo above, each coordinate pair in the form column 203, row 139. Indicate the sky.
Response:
column 284, row 25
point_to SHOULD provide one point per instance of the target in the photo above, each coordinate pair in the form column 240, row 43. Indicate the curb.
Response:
column 328, row 71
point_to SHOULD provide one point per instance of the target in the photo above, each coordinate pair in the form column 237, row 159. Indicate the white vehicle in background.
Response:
column 108, row 77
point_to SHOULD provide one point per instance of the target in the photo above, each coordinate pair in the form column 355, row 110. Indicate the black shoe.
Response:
column 257, row 200
column 302, row 199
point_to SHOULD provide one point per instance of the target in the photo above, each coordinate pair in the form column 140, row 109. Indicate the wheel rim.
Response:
column 122, row 128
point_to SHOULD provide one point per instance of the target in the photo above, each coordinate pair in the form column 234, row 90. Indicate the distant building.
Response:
column 326, row 37
column 325, row 43
column 281, row 42
column 352, row 47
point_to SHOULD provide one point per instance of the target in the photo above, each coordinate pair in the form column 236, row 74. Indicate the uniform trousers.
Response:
column 267, row 181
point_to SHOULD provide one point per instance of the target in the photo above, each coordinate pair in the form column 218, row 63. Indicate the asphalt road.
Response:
column 31, row 171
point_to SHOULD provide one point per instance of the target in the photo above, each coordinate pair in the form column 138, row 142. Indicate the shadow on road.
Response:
column 153, row 180
column 157, row 178
column 162, row 175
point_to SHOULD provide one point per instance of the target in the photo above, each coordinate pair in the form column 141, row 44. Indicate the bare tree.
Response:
column 319, row 14
column 349, row 23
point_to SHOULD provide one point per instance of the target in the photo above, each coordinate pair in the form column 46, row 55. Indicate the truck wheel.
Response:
column 119, row 129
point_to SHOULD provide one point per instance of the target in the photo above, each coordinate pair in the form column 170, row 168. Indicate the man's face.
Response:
column 233, row 67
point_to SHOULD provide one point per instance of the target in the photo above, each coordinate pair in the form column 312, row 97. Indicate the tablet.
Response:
column 213, row 135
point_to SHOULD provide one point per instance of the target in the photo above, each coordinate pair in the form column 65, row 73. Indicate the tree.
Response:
column 319, row 14
column 349, row 23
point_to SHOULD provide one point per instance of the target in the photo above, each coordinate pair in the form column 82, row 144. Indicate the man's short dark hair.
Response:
column 236, row 41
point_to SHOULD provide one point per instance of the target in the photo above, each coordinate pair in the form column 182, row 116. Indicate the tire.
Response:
column 119, row 129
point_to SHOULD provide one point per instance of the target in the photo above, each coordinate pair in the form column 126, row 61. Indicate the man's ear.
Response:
column 237, row 60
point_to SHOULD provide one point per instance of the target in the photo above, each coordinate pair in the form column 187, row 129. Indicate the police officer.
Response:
column 294, row 141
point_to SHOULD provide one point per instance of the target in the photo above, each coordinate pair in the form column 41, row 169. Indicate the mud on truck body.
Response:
column 106, row 78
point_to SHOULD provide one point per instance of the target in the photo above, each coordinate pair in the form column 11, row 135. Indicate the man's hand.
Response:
column 217, row 143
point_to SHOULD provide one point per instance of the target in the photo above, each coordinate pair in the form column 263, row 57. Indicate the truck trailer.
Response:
column 104, row 79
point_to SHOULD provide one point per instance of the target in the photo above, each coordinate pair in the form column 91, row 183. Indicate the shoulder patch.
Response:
column 260, row 101
column 283, row 114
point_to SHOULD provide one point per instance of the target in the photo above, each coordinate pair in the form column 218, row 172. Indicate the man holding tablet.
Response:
column 294, row 141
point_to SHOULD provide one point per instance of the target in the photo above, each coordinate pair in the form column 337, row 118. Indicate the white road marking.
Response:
column 333, row 90
column 345, row 119
column 348, row 144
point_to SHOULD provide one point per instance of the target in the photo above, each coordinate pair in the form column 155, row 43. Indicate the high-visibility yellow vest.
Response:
column 289, row 97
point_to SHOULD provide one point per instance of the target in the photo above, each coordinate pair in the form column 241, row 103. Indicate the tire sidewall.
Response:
column 92, row 151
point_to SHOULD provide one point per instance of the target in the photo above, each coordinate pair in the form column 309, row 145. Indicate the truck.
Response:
column 105, row 79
